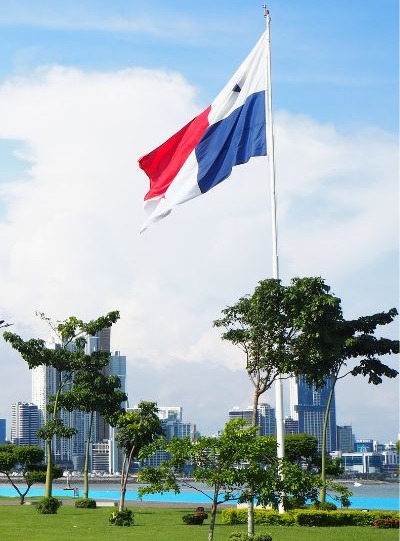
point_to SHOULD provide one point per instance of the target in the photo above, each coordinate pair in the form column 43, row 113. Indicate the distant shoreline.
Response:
column 115, row 479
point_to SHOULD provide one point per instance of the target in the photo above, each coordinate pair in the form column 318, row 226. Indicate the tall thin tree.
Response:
column 66, row 359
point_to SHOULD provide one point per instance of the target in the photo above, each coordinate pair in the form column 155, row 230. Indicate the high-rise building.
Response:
column 245, row 414
column 266, row 420
column 101, row 457
column 173, row 413
column 173, row 426
column 308, row 404
column 70, row 451
column 345, row 439
column 45, row 382
column 291, row 425
column 25, row 420
column 2, row 431
column 44, row 385
column 116, row 367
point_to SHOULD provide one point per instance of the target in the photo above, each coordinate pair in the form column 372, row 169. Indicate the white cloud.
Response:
column 70, row 243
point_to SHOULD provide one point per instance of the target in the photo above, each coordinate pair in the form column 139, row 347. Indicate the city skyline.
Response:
column 26, row 417
column 86, row 91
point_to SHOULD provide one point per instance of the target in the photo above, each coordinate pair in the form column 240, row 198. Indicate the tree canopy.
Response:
column 236, row 465
column 68, row 357
column 27, row 461
column 136, row 430
column 282, row 329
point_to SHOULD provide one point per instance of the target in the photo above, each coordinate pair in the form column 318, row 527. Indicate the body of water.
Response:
column 366, row 496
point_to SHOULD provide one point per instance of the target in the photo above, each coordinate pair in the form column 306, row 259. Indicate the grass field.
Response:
column 24, row 523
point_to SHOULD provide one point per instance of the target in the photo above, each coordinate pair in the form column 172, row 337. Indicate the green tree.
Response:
column 280, row 329
column 92, row 392
column 301, row 449
column 136, row 430
column 26, row 460
column 355, row 342
column 236, row 465
column 66, row 358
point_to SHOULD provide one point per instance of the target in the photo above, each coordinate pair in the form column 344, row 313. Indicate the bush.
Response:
column 244, row 537
column 261, row 516
column 86, row 503
column 48, row 506
column 195, row 518
column 341, row 518
column 234, row 516
column 121, row 518
column 313, row 517
column 324, row 506
column 385, row 523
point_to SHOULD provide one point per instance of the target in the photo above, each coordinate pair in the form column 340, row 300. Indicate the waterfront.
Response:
column 383, row 496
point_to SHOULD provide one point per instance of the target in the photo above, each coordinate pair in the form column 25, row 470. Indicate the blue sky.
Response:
column 336, row 58
column 86, row 88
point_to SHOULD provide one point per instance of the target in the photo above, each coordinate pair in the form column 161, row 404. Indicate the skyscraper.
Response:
column 266, row 419
column 25, row 420
column 345, row 439
column 70, row 451
column 291, row 426
column 308, row 404
column 45, row 382
column 173, row 427
column 2, row 431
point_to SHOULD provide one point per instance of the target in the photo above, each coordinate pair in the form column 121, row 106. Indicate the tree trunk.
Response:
column 21, row 494
column 124, row 478
column 322, row 492
column 250, row 518
column 86, row 465
column 49, row 471
column 250, row 503
column 123, row 484
column 213, row 516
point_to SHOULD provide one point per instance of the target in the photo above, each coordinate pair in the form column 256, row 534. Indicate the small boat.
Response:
column 357, row 484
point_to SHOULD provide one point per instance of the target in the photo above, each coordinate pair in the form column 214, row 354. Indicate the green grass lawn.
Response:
column 24, row 523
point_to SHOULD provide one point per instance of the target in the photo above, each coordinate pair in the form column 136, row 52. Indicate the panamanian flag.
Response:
column 202, row 154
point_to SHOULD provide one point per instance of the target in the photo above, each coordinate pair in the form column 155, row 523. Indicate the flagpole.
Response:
column 275, row 265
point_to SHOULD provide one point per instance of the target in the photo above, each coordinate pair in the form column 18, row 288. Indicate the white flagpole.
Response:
column 275, row 266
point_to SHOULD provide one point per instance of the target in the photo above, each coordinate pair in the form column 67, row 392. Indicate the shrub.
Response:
column 234, row 516
column 236, row 536
column 386, row 522
column 315, row 518
column 324, row 506
column 341, row 518
column 261, row 516
column 312, row 517
column 86, row 503
column 121, row 518
column 195, row 518
column 48, row 506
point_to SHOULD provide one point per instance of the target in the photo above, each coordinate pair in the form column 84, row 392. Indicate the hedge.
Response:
column 261, row 516
column 308, row 517
column 340, row 518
